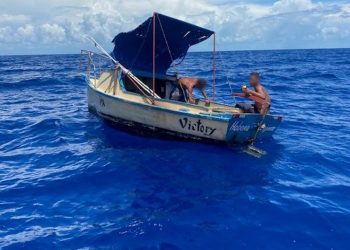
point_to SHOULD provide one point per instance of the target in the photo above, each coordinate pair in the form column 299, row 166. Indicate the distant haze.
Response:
column 58, row 26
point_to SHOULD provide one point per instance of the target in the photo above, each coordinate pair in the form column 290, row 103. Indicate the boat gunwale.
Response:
column 179, row 112
column 169, row 100
column 225, row 117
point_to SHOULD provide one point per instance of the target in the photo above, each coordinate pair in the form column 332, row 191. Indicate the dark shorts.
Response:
column 247, row 108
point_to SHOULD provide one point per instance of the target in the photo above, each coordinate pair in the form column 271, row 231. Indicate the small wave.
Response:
column 319, row 75
column 35, row 82
column 342, row 62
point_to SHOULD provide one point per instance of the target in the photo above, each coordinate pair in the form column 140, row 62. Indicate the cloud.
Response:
column 285, row 6
column 59, row 25
column 26, row 33
column 13, row 19
column 53, row 33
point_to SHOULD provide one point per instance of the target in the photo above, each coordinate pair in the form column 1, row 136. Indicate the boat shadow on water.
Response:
column 160, row 156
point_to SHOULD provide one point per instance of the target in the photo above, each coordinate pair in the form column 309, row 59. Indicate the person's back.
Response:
column 190, row 83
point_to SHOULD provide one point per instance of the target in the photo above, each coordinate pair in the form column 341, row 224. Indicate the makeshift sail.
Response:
column 160, row 38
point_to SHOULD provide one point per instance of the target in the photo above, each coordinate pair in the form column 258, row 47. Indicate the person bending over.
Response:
column 259, row 94
column 189, row 84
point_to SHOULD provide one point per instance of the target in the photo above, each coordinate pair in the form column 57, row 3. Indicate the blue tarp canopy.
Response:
column 134, row 49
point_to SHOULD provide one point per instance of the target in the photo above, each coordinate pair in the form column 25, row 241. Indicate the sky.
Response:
column 59, row 26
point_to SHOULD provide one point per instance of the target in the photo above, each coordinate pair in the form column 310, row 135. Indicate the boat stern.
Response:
column 244, row 128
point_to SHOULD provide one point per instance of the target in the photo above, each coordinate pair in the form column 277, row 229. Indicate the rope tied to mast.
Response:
column 172, row 59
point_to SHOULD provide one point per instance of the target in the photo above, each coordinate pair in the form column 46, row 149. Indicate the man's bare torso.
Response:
column 188, row 83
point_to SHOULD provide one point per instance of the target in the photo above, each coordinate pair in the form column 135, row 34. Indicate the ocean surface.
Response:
column 69, row 180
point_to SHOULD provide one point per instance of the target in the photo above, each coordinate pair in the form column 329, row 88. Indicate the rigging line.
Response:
column 166, row 41
column 180, row 60
column 91, row 62
column 225, row 70
column 139, row 88
column 154, row 55
column 141, row 46
column 259, row 127
column 138, row 81
column 99, row 64
column 214, row 66
column 171, row 57
column 168, row 47
column 226, row 74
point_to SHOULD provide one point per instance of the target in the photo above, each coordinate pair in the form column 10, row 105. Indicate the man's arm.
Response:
column 190, row 95
column 207, row 101
column 187, row 88
column 259, row 93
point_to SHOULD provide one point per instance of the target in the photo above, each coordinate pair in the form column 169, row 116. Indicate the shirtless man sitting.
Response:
column 189, row 84
column 263, row 105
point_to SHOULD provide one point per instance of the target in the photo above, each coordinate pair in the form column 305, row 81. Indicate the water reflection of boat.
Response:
column 135, row 92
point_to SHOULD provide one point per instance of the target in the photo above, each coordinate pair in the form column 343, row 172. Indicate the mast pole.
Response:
column 214, row 66
column 154, row 54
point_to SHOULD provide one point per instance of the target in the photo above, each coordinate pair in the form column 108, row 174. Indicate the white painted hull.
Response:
column 181, row 124
column 107, row 98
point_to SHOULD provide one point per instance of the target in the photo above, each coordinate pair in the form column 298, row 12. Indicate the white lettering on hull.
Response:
column 238, row 126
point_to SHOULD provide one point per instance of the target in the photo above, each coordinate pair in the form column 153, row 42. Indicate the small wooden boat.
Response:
column 135, row 92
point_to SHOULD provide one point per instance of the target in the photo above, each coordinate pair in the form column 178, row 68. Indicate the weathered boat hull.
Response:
column 219, row 128
column 145, row 130
column 155, row 118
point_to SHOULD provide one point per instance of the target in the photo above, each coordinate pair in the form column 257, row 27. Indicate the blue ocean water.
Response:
column 69, row 180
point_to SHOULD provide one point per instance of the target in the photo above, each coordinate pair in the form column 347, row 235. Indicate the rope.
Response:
column 226, row 73
column 258, row 128
column 91, row 62
column 171, row 57
column 136, row 80
column 214, row 66
column 141, row 46
column 99, row 65
column 138, row 87
column 127, row 72
column 177, row 71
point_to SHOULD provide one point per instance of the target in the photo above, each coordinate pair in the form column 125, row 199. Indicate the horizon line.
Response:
column 204, row 51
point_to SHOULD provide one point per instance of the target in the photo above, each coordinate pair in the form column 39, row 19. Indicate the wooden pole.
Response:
column 214, row 66
column 154, row 54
